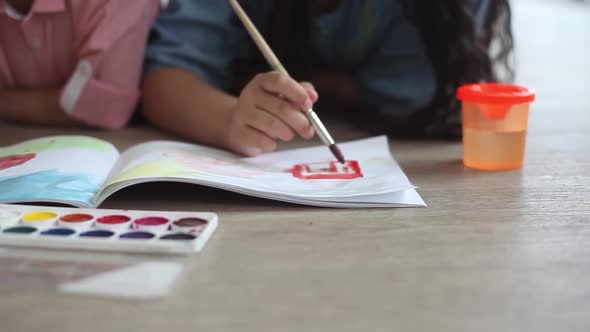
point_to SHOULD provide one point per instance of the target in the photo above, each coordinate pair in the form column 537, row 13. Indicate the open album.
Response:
column 83, row 171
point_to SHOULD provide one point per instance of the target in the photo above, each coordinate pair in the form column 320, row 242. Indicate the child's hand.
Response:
column 269, row 108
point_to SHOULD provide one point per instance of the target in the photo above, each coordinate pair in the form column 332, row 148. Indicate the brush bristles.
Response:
column 337, row 153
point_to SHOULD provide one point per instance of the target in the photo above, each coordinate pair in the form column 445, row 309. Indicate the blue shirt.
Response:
column 372, row 39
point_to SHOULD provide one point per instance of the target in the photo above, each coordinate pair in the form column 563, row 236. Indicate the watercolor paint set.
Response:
column 131, row 231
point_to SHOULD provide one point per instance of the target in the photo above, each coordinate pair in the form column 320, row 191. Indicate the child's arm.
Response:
column 180, row 102
column 270, row 107
column 112, row 35
column 188, row 68
column 109, row 38
column 39, row 106
column 29, row 105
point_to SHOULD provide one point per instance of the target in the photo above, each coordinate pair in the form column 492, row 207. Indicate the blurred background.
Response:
column 553, row 57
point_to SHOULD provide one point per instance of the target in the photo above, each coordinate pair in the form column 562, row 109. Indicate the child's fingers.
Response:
column 269, row 124
column 278, row 83
column 310, row 91
column 252, row 142
column 286, row 112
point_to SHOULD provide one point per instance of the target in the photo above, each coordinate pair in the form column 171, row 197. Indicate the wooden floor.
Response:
column 491, row 252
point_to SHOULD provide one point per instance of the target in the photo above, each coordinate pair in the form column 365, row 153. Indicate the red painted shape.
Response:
column 332, row 170
column 15, row 160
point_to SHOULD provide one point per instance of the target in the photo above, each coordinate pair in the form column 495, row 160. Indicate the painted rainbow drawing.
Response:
column 211, row 165
column 15, row 160
column 57, row 143
column 42, row 169
column 51, row 184
column 181, row 164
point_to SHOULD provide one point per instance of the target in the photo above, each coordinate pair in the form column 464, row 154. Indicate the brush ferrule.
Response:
column 321, row 131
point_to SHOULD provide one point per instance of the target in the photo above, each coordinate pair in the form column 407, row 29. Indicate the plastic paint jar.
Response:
column 495, row 120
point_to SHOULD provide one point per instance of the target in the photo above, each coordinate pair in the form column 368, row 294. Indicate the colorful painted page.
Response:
column 61, row 169
column 311, row 176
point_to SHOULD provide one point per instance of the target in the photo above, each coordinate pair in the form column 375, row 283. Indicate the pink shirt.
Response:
column 92, row 49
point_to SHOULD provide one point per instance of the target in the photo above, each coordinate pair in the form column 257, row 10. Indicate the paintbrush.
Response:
column 274, row 62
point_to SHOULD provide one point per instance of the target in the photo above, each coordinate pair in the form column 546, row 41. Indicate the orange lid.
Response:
column 495, row 93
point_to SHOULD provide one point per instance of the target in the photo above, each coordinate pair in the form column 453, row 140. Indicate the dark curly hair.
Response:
column 460, row 52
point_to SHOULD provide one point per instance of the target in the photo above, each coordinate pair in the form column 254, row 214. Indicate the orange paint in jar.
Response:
column 495, row 120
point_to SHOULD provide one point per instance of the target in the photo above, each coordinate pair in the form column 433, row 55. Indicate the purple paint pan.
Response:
column 178, row 237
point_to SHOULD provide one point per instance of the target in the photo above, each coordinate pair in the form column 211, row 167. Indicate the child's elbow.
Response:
column 112, row 119
column 119, row 119
column 105, row 111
